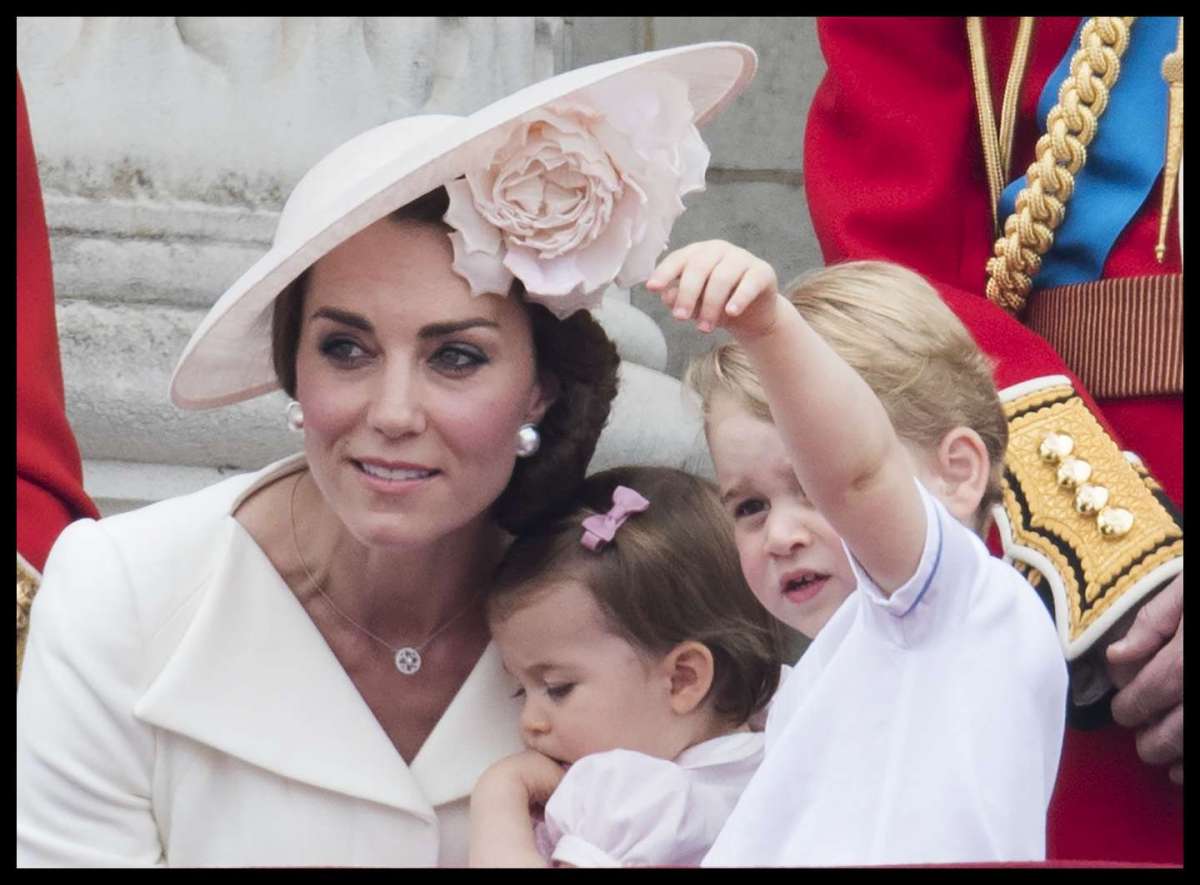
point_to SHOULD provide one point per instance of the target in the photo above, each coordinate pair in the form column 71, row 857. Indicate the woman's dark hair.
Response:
column 575, row 359
column 670, row 574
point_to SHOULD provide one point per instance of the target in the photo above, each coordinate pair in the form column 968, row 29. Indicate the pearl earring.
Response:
column 528, row 440
column 295, row 416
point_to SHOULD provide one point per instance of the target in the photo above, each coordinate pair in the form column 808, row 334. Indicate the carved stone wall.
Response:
column 167, row 147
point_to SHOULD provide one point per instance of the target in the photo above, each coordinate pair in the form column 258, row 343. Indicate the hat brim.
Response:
column 228, row 358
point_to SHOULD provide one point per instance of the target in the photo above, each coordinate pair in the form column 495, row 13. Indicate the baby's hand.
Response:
column 718, row 284
column 528, row 775
column 505, row 803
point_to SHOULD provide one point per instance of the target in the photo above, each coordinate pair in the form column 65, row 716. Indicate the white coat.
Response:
column 177, row 706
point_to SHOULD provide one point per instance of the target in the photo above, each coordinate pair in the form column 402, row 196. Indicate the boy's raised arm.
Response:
column 842, row 445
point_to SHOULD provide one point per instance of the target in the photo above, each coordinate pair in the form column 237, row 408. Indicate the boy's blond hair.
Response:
column 892, row 328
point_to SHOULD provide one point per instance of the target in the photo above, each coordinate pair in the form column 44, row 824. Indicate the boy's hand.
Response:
column 718, row 284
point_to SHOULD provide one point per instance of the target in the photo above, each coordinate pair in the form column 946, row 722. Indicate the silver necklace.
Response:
column 406, row 657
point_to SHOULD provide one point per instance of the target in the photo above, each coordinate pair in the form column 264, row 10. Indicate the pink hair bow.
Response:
column 599, row 530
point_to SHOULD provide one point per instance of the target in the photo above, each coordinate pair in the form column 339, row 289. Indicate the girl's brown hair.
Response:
column 670, row 574
column 574, row 356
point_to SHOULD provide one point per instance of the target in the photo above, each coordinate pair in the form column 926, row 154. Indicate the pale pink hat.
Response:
column 228, row 358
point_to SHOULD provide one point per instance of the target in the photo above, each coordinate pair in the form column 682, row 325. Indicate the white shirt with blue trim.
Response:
column 924, row 727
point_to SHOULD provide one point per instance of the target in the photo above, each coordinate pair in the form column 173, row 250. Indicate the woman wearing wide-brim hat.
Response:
column 292, row 667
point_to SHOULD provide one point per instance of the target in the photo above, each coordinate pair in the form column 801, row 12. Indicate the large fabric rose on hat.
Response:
column 579, row 193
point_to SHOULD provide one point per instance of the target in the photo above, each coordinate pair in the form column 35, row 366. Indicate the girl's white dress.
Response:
column 624, row 808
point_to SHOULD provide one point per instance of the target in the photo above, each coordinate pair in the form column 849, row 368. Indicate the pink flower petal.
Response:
column 483, row 271
column 602, row 259
column 528, row 193
column 478, row 235
column 694, row 156
column 579, row 193
column 563, row 306
column 554, row 276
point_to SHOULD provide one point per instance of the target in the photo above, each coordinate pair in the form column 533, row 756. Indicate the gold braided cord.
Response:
column 1012, row 90
column 1060, row 154
column 1172, row 70
column 987, row 116
column 997, row 148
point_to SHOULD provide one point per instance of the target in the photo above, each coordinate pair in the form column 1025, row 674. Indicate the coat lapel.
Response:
column 252, row 677
column 481, row 725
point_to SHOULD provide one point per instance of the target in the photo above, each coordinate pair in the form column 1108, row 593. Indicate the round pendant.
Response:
column 408, row 661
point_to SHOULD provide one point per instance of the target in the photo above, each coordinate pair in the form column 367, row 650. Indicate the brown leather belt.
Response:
column 1122, row 337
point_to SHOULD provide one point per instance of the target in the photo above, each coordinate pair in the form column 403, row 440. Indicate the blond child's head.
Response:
column 892, row 328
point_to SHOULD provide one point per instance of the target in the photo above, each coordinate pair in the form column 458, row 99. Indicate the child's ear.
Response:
column 963, row 469
column 689, row 666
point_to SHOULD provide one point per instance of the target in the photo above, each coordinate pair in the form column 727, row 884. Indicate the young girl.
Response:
column 640, row 655
column 857, row 440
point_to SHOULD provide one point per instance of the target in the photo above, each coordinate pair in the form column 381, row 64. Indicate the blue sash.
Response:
column 1123, row 160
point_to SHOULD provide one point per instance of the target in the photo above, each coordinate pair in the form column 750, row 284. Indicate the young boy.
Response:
column 857, row 440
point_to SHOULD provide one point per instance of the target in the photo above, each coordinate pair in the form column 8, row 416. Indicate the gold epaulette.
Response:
column 28, row 580
column 1078, row 516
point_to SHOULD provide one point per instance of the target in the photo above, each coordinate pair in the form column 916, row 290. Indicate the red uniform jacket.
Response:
column 49, row 474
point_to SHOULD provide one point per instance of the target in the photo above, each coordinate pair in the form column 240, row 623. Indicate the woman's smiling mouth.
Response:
column 393, row 474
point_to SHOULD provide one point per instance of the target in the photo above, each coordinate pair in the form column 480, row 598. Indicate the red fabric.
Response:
column 49, row 473
column 1109, row 805
column 893, row 169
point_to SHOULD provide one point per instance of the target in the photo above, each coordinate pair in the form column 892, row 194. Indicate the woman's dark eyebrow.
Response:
column 434, row 330
column 345, row 317
column 441, row 330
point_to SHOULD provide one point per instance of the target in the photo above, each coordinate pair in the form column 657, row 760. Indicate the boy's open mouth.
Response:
column 802, row 586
